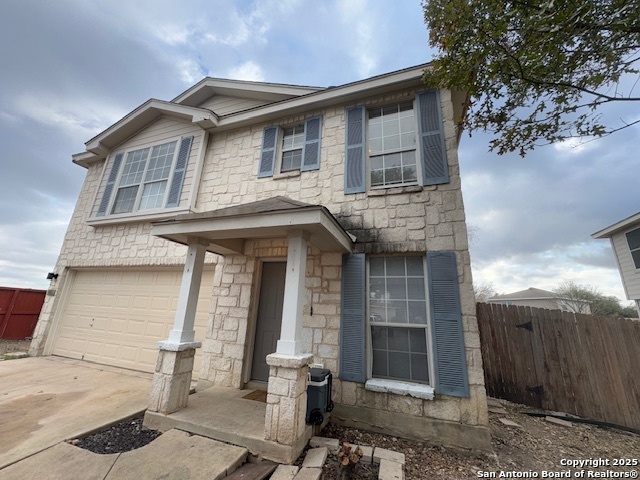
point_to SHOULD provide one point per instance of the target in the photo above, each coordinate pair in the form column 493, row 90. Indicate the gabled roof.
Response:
column 283, row 100
column 528, row 294
column 270, row 92
column 616, row 227
column 103, row 143
column 532, row 294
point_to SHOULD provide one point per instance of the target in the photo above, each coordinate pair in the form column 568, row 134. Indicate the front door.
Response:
column 269, row 318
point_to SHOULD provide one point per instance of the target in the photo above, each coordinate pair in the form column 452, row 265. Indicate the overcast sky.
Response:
column 69, row 69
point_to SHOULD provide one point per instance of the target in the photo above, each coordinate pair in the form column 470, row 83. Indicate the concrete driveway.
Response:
column 46, row 400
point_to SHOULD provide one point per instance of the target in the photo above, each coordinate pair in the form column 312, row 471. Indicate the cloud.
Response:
column 247, row 71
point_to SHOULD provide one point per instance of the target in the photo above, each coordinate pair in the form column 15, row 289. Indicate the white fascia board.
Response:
column 142, row 116
column 85, row 159
column 622, row 224
column 347, row 93
column 243, row 89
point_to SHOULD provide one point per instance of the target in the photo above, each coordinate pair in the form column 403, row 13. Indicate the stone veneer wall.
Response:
column 411, row 219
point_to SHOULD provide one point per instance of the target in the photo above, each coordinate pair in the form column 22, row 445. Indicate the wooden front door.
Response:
column 269, row 318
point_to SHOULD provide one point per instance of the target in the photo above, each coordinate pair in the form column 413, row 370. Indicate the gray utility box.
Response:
column 318, row 395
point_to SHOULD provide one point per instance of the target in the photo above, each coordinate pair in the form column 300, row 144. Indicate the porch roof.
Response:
column 226, row 229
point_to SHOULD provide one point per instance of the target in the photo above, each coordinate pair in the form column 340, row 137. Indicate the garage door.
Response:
column 116, row 317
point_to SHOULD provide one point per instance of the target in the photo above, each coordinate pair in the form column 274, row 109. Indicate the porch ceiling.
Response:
column 227, row 229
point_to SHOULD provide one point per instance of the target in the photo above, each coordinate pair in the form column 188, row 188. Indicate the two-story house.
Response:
column 245, row 230
column 625, row 242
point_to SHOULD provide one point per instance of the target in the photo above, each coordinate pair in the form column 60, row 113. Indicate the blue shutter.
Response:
column 311, row 148
column 352, row 319
column 354, row 162
column 435, row 168
column 446, row 325
column 268, row 153
column 179, row 173
column 111, row 183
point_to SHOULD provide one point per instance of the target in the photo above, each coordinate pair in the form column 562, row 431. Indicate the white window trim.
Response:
column 417, row 149
column 277, row 168
column 399, row 385
column 626, row 240
column 141, row 185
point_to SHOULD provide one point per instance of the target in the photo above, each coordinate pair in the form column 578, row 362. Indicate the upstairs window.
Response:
column 292, row 144
column 146, row 179
column 291, row 148
column 392, row 146
column 633, row 240
column 396, row 145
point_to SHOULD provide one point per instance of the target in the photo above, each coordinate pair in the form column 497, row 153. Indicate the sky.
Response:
column 70, row 69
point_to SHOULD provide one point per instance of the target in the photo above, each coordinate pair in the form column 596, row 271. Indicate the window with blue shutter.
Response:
column 311, row 148
column 268, row 152
column 146, row 179
column 446, row 325
column 178, row 174
column 111, row 181
column 352, row 319
column 354, row 158
column 435, row 168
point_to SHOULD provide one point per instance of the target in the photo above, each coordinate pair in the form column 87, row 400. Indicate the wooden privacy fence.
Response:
column 19, row 311
column 561, row 361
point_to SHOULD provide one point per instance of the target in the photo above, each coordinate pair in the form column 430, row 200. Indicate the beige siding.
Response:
column 223, row 105
column 161, row 131
column 630, row 276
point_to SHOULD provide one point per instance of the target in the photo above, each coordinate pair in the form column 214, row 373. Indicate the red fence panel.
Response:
column 19, row 311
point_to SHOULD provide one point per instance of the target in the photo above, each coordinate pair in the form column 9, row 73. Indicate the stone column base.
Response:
column 287, row 399
column 172, row 378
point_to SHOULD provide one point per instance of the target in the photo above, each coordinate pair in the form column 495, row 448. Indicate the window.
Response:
column 146, row 179
column 398, row 318
column 392, row 146
column 402, row 144
column 384, row 323
column 292, row 143
column 633, row 239
column 298, row 148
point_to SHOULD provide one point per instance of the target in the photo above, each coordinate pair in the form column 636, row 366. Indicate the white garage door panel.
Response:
column 116, row 317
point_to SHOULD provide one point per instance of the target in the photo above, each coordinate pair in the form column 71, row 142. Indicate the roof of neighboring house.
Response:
column 528, row 294
column 531, row 294
column 616, row 227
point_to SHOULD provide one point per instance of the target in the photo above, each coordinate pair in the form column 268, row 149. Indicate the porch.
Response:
column 224, row 414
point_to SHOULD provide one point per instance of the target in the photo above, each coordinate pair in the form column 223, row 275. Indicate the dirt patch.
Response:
column 10, row 346
column 537, row 446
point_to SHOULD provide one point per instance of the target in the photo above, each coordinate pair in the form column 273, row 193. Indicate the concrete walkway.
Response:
column 46, row 400
column 174, row 455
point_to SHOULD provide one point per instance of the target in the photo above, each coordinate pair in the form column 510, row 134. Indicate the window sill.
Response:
column 291, row 174
column 135, row 217
column 380, row 192
column 424, row 392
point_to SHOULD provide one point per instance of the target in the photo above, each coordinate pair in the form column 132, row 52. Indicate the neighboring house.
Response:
column 625, row 241
column 538, row 298
column 280, row 226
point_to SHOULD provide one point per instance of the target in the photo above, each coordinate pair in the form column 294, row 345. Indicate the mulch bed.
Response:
column 122, row 437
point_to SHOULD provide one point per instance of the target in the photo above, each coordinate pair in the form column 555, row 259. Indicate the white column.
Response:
column 290, row 342
column 182, row 331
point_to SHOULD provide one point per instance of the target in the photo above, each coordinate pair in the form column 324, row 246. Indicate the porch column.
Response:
column 290, row 342
column 172, row 378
